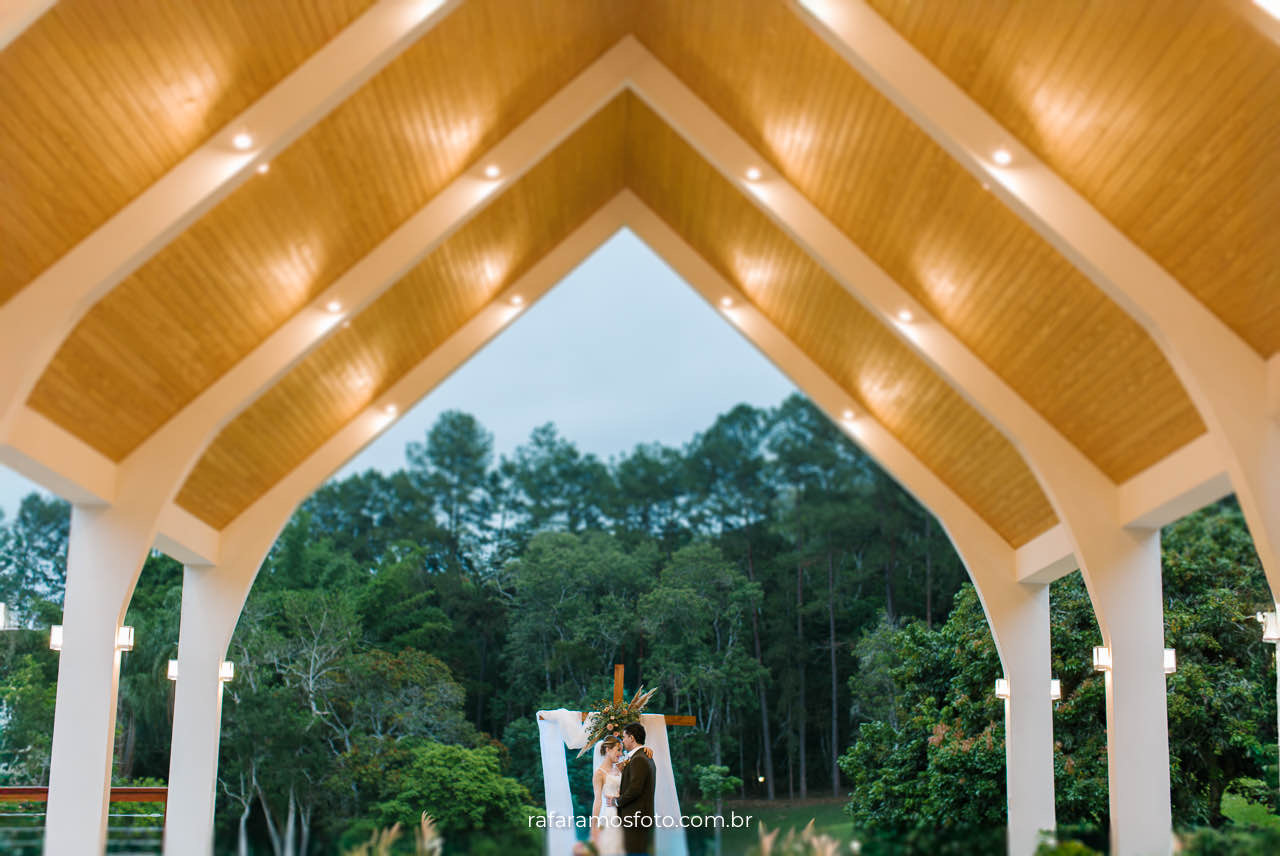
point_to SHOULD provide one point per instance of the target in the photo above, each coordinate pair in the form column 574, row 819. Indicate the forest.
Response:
column 766, row 576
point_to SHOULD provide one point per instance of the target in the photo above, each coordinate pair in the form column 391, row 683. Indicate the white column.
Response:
column 1023, row 627
column 1127, row 590
column 212, row 599
column 105, row 554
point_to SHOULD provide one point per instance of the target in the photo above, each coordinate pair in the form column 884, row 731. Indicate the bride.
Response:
column 606, row 831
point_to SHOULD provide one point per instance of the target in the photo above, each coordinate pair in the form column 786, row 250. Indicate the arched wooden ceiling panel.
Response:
column 1164, row 114
column 878, row 371
column 216, row 291
column 1019, row 305
column 358, row 363
column 99, row 98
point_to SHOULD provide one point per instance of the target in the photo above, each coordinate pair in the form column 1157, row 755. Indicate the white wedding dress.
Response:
column 609, row 838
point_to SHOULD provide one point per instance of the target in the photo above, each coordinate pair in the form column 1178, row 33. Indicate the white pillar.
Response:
column 1028, row 715
column 105, row 554
column 212, row 599
column 1127, row 591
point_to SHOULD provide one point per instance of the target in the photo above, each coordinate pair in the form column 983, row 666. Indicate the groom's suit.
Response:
column 635, row 801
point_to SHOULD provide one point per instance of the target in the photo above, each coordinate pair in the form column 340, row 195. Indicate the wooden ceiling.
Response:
column 1164, row 114
column 855, row 350
column 99, row 98
column 1018, row 304
column 95, row 105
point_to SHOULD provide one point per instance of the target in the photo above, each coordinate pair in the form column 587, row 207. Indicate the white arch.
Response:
column 1018, row 613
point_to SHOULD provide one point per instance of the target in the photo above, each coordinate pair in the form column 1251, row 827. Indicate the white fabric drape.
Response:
column 558, row 729
column 667, row 840
column 555, row 731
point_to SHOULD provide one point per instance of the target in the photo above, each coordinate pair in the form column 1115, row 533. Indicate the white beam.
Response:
column 187, row 538
column 57, row 460
column 1202, row 350
column 17, row 15
column 1185, row 480
column 1045, row 558
column 36, row 320
column 1273, row 388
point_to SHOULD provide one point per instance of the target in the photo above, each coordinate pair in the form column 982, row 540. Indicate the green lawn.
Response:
column 828, row 815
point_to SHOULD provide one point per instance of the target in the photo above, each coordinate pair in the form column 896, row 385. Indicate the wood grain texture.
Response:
column 1164, row 114
column 99, row 98
column 358, row 363
column 215, row 292
column 878, row 371
column 1010, row 297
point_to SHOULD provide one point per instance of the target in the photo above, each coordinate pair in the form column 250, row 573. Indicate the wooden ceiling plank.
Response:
column 36, row 320
column 1201, row 348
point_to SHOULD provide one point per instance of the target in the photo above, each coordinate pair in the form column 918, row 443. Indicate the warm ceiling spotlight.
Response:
column 264, row 168
column 1002, row 156
column 753, row 173
column 333, row 306
column 726, row 302
column 390, row 410
column 905, row 316
column 848, row 415
column 242, row 141
column 1271, row 7
column 492, row 171
column 517, row 300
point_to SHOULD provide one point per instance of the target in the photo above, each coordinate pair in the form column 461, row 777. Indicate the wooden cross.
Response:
column 618, row 699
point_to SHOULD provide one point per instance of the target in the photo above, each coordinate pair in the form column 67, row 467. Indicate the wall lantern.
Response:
column 124, row 638
column 1055, row 689
column 55, row 637
column 226, row 671
column 1170, row 661
column 1101, row 658
column 1270, row 622
column 1002, row 688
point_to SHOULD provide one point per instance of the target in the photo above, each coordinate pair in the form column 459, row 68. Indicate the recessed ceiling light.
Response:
column 517, row 300
column 726, row 302
column 905, row 316
column 492, row 171
column 1271, row 7
column 263, row 168
column 1002, row 156
column 390, row 410
column 848, row 415
column 333, row 306
column 242, row 141
column 753, row 173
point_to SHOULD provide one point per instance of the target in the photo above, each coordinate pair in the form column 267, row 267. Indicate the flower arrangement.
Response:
column 611, row 717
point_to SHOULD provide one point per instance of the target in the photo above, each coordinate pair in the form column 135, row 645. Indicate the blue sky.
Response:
column 621, row 352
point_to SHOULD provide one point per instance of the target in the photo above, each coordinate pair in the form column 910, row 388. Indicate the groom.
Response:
column 635, row 793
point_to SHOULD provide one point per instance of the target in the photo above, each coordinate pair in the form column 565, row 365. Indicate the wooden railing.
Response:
column 41, row 794
column 23, row 832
